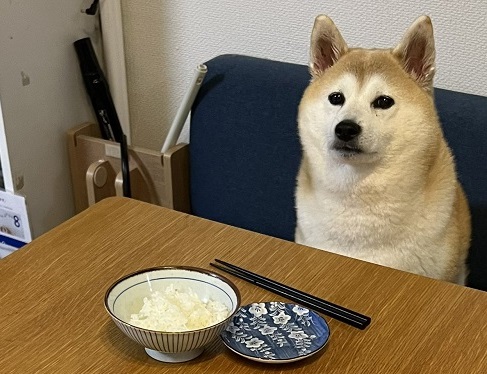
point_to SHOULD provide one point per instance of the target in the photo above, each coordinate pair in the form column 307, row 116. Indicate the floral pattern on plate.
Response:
column 276, row 332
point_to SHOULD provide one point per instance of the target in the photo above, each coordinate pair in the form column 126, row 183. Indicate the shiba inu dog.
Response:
column 377, row 179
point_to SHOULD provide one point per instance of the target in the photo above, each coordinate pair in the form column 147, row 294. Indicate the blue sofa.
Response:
column 245, row 151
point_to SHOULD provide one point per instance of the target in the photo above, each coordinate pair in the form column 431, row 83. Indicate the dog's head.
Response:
column 364, row 105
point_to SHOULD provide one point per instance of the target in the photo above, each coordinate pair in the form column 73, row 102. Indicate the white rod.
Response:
column 184, row 108
column 114, row 55
column 4, row 157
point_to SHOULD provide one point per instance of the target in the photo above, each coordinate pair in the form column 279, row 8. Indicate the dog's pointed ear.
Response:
column 416, row 51
column 327, row 45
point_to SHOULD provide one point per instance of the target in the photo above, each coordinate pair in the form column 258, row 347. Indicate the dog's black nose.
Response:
column 347, row 130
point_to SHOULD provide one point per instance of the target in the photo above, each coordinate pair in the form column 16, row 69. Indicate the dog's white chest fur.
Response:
column 380, row 223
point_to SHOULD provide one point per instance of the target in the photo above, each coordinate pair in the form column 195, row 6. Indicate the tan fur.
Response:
column 399, row 202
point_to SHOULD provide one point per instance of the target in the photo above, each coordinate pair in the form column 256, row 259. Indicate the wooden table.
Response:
column 52, row 318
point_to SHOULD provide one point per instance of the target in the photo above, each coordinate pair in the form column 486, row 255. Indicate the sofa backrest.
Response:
column 245, row 151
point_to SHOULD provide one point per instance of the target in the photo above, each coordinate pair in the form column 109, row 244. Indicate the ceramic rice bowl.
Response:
column 125, row 297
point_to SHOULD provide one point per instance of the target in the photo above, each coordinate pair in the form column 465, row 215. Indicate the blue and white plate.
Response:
column 276, row 332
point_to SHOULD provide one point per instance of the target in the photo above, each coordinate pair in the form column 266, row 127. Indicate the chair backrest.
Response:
column 245, row 151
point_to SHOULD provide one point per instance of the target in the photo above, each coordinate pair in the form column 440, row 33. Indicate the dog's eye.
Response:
column 336, row 98
column 383, row 102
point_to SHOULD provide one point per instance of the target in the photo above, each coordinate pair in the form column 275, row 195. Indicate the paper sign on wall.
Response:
column 14, row 223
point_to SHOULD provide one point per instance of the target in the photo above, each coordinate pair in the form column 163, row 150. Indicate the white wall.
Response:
column 165, row 40
column 42, row 97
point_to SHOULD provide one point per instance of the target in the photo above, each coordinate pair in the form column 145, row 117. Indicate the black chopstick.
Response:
column 322, row 306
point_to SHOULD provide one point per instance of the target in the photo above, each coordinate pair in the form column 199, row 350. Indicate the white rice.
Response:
column 174, row 310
